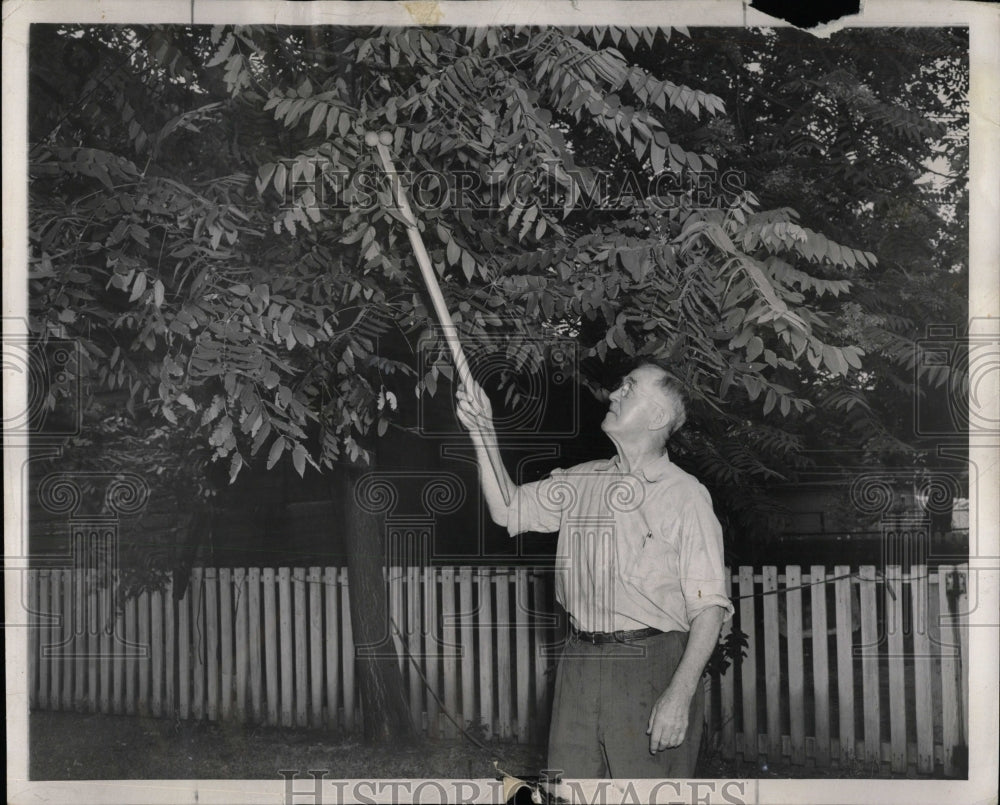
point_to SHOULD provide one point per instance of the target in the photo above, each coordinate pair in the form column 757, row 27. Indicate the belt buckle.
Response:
column 621, row 635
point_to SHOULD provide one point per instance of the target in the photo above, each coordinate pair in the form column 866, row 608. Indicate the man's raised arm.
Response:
column 476, row 414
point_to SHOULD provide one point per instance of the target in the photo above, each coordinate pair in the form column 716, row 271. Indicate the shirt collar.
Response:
column 654, row 471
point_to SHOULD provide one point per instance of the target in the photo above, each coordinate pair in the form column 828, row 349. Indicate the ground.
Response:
column 74, row 746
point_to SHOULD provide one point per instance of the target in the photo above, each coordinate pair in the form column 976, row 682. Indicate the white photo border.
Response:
column 983, row 21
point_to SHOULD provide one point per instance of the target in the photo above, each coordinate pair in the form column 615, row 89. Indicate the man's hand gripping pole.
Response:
column 381, row 141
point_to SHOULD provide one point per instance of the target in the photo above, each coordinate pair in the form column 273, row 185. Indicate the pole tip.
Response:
column 371, row 139
column 385, row 138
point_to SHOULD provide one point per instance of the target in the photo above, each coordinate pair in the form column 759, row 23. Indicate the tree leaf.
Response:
column 317, row 118
column 275, row 452
column 299, row 459
column 235, row 465
column 280, row 174
column 222, row 54
column 138, row 287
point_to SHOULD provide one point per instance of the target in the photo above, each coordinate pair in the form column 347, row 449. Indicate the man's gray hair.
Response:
column 672, row 390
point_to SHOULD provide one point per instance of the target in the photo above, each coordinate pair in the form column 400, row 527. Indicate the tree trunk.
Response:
column 386, row 711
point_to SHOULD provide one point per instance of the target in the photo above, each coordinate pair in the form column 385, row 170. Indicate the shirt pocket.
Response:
column 655, row 568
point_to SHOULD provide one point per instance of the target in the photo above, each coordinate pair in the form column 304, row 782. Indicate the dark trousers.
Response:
column 603, row 698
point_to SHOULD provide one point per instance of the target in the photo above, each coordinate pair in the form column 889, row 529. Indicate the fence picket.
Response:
column 131, row 658
column 541, row 655
column 897, row 680
column 934, row 638
column 106, row 624
column 286, row 657
column 432, row 650
column 727, row 688
column 211, row 644
column 254, row 632
column 748, row 667
column 300, row 635
column 97, row 662
column 922, row 668
column 523, row 652
column 80, row 641
column 199, row 649
column 41, row 647
column 962, row 627
column 502, row 631
column 772, row 663
column 397, row 625
column 315, row 583
column 449, row 652
column 468, row 651
column 820, row 665
column 331, row 591
column 796, row 664
column 39, row 691
column 949, row 650
column 226, row 642
column 156, row 645
column 348, row 655
column 170, row 651
column 66, row 659
column 845, row 664
column 31, row 580
column 184, row 654
column 59, row 635
column 484, row 581
column 104, row 647
column 270, row 647
column 56, row 629
column 93, row 638
column 48, row 638
column 143, row 653
column 412, row 598
column 242, row 641
column 869, row 665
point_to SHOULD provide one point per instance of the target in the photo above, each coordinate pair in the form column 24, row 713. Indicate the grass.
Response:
column 716, row 767
column 75, row 746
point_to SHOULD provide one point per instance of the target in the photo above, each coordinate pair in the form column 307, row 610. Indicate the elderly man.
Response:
column 639, row 570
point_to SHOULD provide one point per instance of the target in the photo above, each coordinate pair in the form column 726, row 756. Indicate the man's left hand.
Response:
column 668, row 722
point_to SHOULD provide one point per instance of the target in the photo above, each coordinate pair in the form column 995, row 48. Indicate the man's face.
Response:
column 639, row 405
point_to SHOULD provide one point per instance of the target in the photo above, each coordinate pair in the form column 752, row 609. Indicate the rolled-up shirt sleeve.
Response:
column 702, row 565
column 539, row 506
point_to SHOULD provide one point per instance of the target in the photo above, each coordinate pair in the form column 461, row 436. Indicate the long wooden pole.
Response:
column 381, row 142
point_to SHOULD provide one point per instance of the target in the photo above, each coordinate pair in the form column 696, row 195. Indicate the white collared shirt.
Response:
column 635, row 549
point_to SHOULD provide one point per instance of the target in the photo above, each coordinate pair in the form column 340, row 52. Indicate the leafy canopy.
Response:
column 209, row 223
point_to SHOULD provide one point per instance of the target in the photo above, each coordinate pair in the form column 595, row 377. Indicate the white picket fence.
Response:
column 844, row 666
column 275, row 646
column 851, row 667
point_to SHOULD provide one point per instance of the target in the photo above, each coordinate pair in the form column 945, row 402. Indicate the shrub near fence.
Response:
column 847, row 667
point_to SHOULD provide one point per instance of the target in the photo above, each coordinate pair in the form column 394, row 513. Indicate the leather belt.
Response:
column 621, row 636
